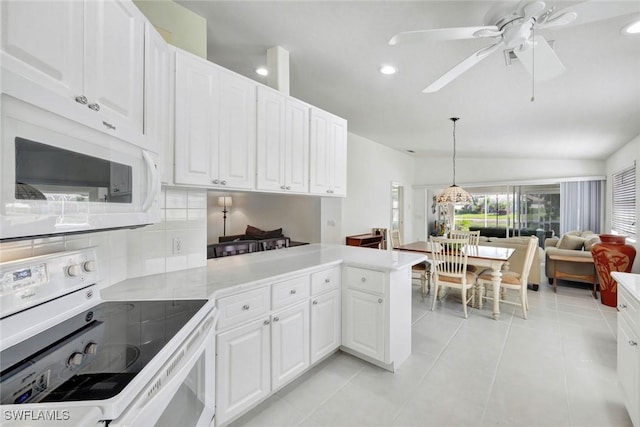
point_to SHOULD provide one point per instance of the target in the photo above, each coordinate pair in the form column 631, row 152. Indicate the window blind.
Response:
column 623, row 217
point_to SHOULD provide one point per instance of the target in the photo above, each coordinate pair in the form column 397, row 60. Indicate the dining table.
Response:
column 495, row 258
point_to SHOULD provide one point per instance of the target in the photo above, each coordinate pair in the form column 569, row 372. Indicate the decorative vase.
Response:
column 611, row 254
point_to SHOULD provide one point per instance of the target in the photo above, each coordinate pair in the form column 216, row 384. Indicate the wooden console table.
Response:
column 561, row 275
column 365, row 240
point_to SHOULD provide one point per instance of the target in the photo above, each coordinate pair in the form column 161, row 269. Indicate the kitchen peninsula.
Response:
column 283, row 311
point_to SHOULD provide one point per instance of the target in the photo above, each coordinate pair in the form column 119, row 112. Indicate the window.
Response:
column 623, row 215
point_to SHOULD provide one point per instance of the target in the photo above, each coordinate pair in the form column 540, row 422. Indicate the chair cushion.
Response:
column 508, row 277
column 568, row 241
column 471, row 278
column 590, row 241
column 423, row 266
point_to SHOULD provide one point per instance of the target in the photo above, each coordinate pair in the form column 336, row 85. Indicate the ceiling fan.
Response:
column 513, row 29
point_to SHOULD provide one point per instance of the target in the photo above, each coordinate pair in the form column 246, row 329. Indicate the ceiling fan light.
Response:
column 633, row 28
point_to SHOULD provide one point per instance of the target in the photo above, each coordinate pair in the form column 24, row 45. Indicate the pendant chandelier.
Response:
column 453, row 194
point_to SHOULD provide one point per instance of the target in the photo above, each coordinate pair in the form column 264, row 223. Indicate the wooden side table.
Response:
column 562, row 275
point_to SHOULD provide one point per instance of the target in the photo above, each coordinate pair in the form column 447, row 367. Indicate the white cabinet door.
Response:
column 159, row 100
column 237, row 123
column 196, row 120
column 242, row 368
column 363, row 323
column 328, row 154
column 43, row 42
column 629, row 368
column 325, row 324
column 290, row 344
column 296, row 150
column 270, row 140
column 114, row 61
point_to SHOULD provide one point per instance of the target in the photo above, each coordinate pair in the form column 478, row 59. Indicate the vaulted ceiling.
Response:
column 337, row 47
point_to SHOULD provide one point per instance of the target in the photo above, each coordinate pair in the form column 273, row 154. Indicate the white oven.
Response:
column 67, row 355
column 58, row 176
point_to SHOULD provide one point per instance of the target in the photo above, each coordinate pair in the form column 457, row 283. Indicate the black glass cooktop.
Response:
column 93, row 355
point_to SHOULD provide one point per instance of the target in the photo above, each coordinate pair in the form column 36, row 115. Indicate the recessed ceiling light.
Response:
column 388, row 70
column 262, row 71
column 633, row 28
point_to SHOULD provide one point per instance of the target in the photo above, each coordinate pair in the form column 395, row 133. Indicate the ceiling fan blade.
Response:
column 463, row 66
column 593, row 11
column 557, row 20
column 445, row 34
column 533, row 9
column 547, row 64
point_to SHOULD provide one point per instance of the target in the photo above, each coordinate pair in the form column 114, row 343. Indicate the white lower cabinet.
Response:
column 325, row 324
column 364, row 323
column 628, row 353
column 289, row 344
column 243, row 366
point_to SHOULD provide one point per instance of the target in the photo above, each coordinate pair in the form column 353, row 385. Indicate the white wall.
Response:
column 619, row 160
column 371, row 168
column 298, row 216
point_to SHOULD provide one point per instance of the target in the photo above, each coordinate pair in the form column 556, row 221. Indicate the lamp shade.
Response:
column 454, row 195
column 225, row 201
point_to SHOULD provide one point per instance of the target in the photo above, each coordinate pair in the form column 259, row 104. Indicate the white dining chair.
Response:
column 511, row 280
column 420, row 271
column 474, row 239
column 450, row 269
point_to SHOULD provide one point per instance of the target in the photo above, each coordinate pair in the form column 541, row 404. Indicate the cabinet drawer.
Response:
column 289, row 292
column 324, row 280
column 627, row 307
column 242, row 307
column 363, row 279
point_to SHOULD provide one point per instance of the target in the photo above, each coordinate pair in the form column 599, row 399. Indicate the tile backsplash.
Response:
column 177, row 242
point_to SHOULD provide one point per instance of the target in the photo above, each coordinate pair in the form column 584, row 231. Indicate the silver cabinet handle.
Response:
column 95, row 106
column 622, row 305
column 292, row 292
column 328, row 191
column 223, row 182
column 282, row 187
column 315, row 302
column 108, row 125
column 215, row 181
column 288, row 187
column 82, row 99
column 266, row 322
column 327, row 280
column 245, row 307
column 633, row 343
column 275, row 319
column 363, row 279
column 379, row 300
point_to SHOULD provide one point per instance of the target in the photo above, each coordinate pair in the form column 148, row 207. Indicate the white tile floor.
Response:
column 558, row 368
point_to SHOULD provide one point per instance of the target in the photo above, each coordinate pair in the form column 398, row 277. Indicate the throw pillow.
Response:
column 587, row 234
column 255, row 233
column 568, row 241
column 590, row 241
column 573, row 233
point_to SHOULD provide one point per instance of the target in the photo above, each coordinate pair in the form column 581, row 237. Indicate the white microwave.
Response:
column 60, row 177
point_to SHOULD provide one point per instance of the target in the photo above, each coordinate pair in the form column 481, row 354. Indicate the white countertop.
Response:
column 227, row 275
column 630, row 281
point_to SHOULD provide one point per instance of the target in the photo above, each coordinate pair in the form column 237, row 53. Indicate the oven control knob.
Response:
column 75, row 359
column 91, row 349
column 74, row 270
column 89, row 266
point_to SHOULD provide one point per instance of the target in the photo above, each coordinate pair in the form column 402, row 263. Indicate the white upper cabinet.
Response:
column 214, row 125
column 282, row 143
column 86, row 60
column 159, row 100
column 328, row 155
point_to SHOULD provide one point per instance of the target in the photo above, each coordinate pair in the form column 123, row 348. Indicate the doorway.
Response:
column 397, row 208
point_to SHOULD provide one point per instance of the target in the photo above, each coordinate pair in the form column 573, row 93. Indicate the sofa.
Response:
column 253, row 240
column 516, row 261
column 575, row 244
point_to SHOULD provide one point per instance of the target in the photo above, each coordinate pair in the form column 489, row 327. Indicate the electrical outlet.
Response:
column 178, row 245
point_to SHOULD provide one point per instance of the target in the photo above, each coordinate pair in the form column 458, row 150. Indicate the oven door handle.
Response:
column 146, row 411
column 153, row 180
